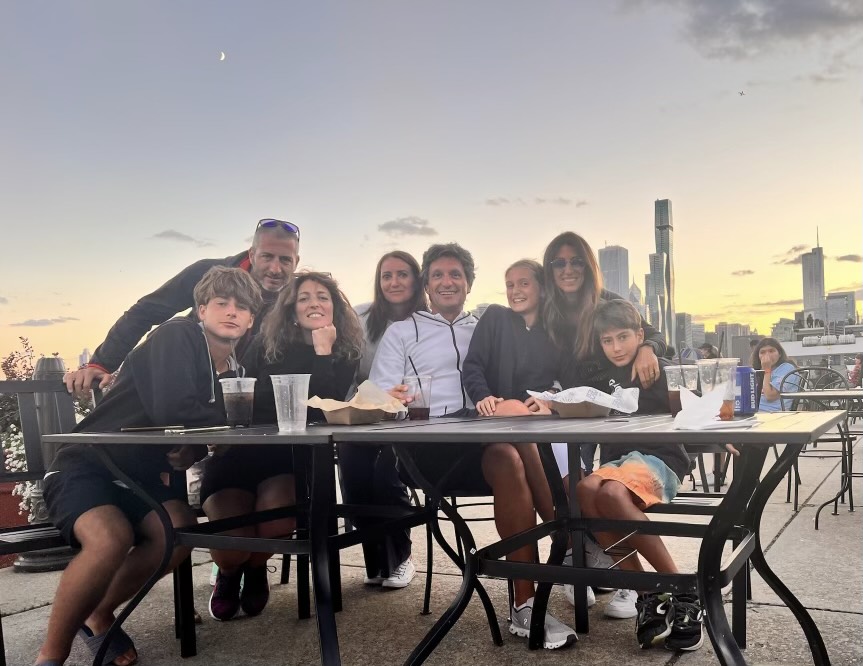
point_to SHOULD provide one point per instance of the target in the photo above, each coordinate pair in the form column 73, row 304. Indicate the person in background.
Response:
column 855, row 376
column 769, row 357
column 368, row 473
column 630, row 480
column 707, row 350
column 172, row 378
column 271, row 261
column 311, row 329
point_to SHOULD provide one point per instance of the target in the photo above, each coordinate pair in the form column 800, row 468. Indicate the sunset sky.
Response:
column 129, row 149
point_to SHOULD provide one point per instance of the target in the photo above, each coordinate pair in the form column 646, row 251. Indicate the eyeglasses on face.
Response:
column 269, row 223
column 560, row 263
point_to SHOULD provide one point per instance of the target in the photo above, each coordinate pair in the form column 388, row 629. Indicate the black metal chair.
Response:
column 813, row 378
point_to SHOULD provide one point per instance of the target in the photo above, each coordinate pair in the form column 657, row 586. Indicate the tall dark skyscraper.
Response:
column 660, row 287
column 812, row 264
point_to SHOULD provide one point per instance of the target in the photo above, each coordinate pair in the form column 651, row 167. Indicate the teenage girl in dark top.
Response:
column 311, row 329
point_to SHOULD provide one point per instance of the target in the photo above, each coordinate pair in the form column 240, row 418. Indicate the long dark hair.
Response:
column 280, row 330
column 380, row 313
column 755, row 360
column 559, row 314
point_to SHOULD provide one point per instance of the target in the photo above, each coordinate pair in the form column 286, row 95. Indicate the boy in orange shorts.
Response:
column 630, row 480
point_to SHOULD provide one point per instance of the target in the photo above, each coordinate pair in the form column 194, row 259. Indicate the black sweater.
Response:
column 331, row 377
column 167, row 380
column 653, row 400
column 505, row 358
column 176, row 295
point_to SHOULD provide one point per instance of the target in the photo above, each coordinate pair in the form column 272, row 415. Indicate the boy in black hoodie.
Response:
column 630, row 479
column 170, row 379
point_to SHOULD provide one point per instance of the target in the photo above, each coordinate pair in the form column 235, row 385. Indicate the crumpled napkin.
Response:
column 703, row 413
column 622, row 400
column 369, row 396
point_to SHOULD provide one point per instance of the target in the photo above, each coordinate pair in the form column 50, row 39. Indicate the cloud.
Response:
column 35, row 323
column 173, row 235
column 853, row 258
column 743, row 272
column 536, row 201
column 771, row 304
column 791, row 256
column 740, row 29
column 408, row 226
column 3, row 300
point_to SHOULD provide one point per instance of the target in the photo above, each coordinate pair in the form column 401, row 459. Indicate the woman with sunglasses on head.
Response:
column 311, row 329
column 368, row 473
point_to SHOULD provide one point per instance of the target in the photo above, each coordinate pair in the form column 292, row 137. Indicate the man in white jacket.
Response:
column 435, row 344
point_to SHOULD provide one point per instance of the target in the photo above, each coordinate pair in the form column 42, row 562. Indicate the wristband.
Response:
column 95, row 365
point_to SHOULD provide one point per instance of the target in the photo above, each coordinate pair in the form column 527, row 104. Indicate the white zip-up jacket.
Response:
column 427, row 344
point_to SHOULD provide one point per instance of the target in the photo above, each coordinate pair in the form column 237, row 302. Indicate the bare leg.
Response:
column 274, row 493
column 226, row 504
column 513, row 504
column 534, row 471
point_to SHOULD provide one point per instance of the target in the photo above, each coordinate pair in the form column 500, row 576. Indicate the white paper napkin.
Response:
column 623, row 400
column 703, row 413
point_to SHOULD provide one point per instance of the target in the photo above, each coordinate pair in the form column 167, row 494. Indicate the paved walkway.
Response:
column 824, row 568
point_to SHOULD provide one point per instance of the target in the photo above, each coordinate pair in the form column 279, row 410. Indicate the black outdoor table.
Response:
column 318, row 440
column 852, row 400
column 737, row 518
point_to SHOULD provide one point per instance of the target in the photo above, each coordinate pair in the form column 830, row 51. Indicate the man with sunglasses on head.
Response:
column 271, row 261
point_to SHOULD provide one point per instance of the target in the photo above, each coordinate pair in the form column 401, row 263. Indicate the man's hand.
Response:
column 732, row 450
column 81, row 381
column 183, row 457
column 323, row 339
column 645, row 366
column 400, row 393
column 487, row 406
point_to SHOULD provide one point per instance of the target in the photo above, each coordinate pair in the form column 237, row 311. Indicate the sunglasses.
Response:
column 269, row 223
column 560, row 263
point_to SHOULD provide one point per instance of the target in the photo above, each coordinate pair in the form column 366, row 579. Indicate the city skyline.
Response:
column 380, row 125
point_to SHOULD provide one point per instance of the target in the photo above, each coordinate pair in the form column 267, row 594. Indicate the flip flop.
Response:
column 119, row 646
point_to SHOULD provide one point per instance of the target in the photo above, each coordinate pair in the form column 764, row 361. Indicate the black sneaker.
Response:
column 687, row 626
column 225, row 600
column 655, row 614
column 256, row 590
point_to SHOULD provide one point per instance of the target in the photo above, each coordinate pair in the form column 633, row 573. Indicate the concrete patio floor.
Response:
column 824, row 569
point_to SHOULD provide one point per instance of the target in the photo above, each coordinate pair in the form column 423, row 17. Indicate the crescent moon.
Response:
column 221, row 55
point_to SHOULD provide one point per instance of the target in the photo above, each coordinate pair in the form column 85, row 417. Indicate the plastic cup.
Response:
column 716, row 371
column 291, row 392
column 418, row 388
column 677, row 376
column 239, row 394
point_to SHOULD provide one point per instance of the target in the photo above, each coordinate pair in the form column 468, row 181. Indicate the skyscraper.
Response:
column 614, row 264
column 663, row 232
column 635, row 299
column 813, row 283
column 683, row 334
column 697, row 335
column 841, row 308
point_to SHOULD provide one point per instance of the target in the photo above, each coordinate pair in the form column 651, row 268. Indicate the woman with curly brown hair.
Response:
column 311, row 329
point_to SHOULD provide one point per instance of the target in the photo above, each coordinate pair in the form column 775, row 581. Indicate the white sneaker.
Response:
column 556, row 634
column 569, row 593
column 402, row 576
column 622, row 605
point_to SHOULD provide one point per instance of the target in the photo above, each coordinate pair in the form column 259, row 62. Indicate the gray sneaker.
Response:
column 556, row 635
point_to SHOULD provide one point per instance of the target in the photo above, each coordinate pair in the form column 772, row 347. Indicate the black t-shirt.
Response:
column 653, row 400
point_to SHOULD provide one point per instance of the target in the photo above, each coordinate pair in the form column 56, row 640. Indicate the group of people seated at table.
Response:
column 253, row 315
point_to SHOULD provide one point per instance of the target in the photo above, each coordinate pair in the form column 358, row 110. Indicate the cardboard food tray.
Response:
column 354, row 416
column 579, row 410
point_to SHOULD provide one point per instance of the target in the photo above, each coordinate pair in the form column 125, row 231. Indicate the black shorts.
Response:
column 461, row 464
column 77, row 483
column 245, row 468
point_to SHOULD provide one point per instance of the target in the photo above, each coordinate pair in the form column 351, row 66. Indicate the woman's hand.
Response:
column 537, row 407
column 323, row 339
column 487, row 406
column 183, row 457
column 645, row 366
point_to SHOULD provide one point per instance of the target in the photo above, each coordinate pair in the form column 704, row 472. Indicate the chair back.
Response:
column 44, row 407
column 814, row 378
